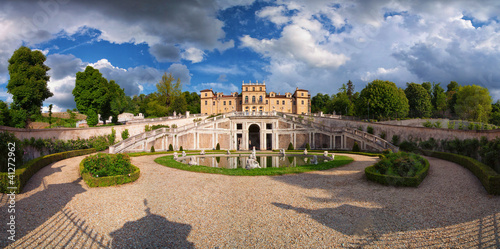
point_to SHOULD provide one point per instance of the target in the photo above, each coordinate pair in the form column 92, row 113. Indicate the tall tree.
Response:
column 382, row 99
column 350, row 89
column 439, row 100
column 428, row 87
column 451, row 96
column 4, row 114
column 92, row 92
column 419, row 100
column 495, row 113
column 318, row 102
column 28, row 81
column 473, row 103
column 167, row 89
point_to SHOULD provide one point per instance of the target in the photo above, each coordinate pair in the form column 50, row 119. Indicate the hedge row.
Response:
column 488, row 177
column 399, row 181
column 109, row 180
column 26, row 171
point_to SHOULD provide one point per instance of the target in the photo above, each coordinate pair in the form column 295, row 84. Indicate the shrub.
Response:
column 181, row 149
column 461, row 125
column 395, row 140
column 430, row 144
column 409, row 146
column 451, row 125
column 152, row 148
column 383, row 135
column 147, row 128
column 174, row 126
column 308, row 147
column 10, row 147
column 290, row 146
column 437, row 124
column 369, row 129
column 109, row 180
column 470, row 126
column 427, row 124
column 355, row 147
column 170, row 147
column 112, row 136
column 399, row 169
column 477, row 126
column 217, row 147
column 92, row 118
column 125, row 134
column 360, row 128
column 154, row 127
column 101, row 165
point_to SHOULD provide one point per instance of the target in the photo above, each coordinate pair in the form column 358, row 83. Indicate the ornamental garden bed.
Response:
column 103, row 170
column 399, row 169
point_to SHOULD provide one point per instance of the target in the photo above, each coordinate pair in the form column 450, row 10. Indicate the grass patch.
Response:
column 170, row 162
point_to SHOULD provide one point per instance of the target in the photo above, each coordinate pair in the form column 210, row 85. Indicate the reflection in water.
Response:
column 275, row 161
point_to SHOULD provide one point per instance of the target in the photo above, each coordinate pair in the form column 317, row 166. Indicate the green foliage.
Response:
column 92, row 118
column 26, row 171
column 360, row 128
column 290, row 146
column 409, row 146
column 395, row 140
column 439, row 100
column 152, row 149
column 101, row 165
column 355, row 147
column 154, row 127
column 18, row 117
column 427, row 124
column 181, row 149
column 28, row 82
column 92, row 92
column 451, row 125
column 495, row 113
column 147, row 128
column 170, row 147
column 217, row 147
column 477, row 126
column 419, row 101
column 319, row 102
column 193, row 102
column 50, row 114
column 470, row 126
column 383, row 135
column 125, row 134
column 10, row 147
column 112, row 136
column 382, row 99
column 461, row 125
column 430, row 144
column 308, row 147
column 473, row 103
column 399, row 169
column 4, row 114
column 488, row 177
column 195, row 120
column 174, row 126
column 437, row 124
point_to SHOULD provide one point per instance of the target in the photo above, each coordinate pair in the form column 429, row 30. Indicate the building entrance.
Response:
column 254, row 137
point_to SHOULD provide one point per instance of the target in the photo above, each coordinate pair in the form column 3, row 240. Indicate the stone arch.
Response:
column 254, row 136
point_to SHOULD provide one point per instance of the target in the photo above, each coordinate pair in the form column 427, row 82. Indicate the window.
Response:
column 205, row 94
column 253, row 88
column 277, row 102
column 302, row 94
column 239, row 126
column 283, row 102
column 246, row 99
column 302, row 101
column 260, row 99
column 266, row 101
column 240, row 102
column 213, row 103
column 224, row 102
column 253, row 99
column 229, row 102
column 246, row 88
column 261, row 88
column 206, row 102
column 269, row 126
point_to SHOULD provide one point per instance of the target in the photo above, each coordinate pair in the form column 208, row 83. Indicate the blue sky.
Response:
column 316, row 44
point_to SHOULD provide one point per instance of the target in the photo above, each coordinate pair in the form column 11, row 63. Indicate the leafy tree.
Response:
column 428, row 87
column 439, row 99
column 350, row 89
column 167, row 89
column 319, row 102
column 382, row 99
column 155, row 109
column 92, row 118
column 419, row 100
column 451, row 96
column 193, row 102
column 178, row 105
column 4, row 114
column 28, row 82
column 92, row 93
column 125, row 134
column 473, row 103
column 495, row 113
column 119, row 101
column 50, row 114
column 18, row 117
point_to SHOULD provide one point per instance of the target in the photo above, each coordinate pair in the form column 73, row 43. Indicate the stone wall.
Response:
column 85, row 133
column 409, row 132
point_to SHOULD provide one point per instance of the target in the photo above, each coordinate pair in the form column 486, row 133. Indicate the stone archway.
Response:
column 254, row 137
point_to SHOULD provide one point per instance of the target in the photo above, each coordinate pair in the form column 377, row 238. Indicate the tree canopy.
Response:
column 381, row 99
column 419, row 100
column 473, row 103
column 28, row 82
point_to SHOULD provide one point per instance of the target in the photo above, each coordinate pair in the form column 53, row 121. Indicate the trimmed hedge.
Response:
column 399, row 181
column 488, row 177
column 109, row 180
column 26, row 171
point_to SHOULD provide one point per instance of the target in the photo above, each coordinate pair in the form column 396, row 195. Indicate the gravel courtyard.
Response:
column 335, row 208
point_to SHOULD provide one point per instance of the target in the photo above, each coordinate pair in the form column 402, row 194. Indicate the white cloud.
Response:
column 228, row 70
column 275, row 14
column 193, row 54
column 181, row 72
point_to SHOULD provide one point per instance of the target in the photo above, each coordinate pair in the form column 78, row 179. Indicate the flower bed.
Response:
column 399, row 169
column 103, row 170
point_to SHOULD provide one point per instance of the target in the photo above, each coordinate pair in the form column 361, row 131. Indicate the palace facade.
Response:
column 254, row 98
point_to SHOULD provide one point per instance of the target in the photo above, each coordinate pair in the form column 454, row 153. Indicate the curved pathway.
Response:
column 167, row 207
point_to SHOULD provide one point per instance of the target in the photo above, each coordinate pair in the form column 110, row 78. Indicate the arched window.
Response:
column 253, row 99
column 260, row 99
column 246, row 99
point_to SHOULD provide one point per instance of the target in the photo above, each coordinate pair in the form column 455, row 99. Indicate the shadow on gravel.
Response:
column 35, row 210
column 152, row 231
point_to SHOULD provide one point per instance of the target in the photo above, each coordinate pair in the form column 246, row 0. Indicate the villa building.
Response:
column 254, row 98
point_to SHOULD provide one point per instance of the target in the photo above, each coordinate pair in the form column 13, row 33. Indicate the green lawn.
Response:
column 339, row 161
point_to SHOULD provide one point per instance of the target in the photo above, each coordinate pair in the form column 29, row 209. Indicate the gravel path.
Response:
column 167, row 207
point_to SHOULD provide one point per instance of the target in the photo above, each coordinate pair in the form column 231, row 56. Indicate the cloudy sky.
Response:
column 312, row 44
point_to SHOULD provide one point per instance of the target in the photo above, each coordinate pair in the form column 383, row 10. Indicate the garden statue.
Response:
column 193, row 161
column 252, row 156
column 183, row 153
column 252, row 164
column 175, row 156
column 314, row 160
column 305, row 151
column 228, row 152
column 282, row 152
column 202, row 152
column 325, row 153
column 333, row 156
